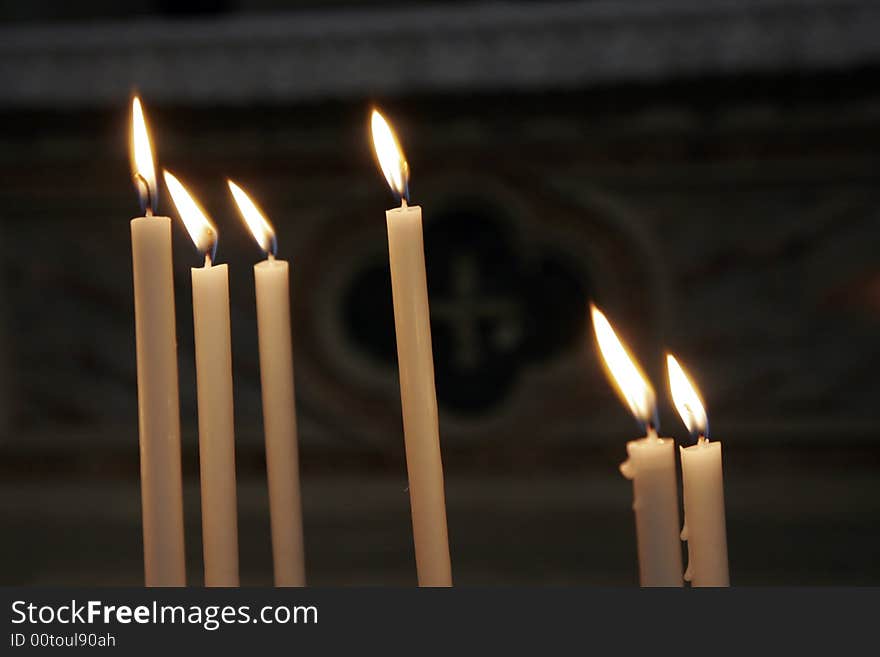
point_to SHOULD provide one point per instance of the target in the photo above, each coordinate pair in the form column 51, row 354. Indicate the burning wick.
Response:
column 144, row 196
column 626, row 375
column 687, row 401
column 143, row 168
column 256, row 220
column 199, row 227
column 391, row 158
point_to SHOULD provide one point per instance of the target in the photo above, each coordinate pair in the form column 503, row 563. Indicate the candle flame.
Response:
column 687, row 398
column 254, row 218
column 631, row 384
column 143, row 168
column 390, row 155
column 199, row 227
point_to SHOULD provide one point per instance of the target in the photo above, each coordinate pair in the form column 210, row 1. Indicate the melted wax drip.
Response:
column 688, row 575
column 627, row 470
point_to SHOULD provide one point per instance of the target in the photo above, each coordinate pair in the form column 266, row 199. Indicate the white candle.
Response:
column 272, row 285
column 418, row 397
column 650, row 466
column 705, row 529
column 158, row 403
column 213, row 348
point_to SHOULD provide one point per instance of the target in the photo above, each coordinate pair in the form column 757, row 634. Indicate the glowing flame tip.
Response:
column 390, row 155
column 687, row 398
column 143, row 168
column 623, row 370
column 199, row 227
column 254, row 218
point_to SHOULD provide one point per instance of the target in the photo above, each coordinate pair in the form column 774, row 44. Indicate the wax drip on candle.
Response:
column 688, row 573
column 684, row 537
column 626, row 468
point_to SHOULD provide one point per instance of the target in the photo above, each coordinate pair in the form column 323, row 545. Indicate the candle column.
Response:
column 650, row 466
column 158, row 402
column 213, row 346
column 417, row 395
column 415, row 358
column 272, row 285
column 705, row 528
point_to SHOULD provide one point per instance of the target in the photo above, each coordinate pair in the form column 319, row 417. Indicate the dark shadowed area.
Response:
column 705, row 170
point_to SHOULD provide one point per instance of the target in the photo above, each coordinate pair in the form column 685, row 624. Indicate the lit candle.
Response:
column 650, row 466
column 210, row 285
column 418, row 397
column 271, row 280
column 704, row 528
column 158, row 403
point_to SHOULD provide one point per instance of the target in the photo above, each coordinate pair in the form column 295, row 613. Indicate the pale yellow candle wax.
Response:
column 415, row 358
column 158, row 402
column 705, row 526
column 213, row 347
column 417, row 395
column 650, row 465
column 272, row 286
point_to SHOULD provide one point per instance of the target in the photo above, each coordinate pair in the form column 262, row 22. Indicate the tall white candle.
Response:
column 705, row 528
column 650, row 466
column 213, row 346
column 406, row 253
column 158, row 403
column 272, row 285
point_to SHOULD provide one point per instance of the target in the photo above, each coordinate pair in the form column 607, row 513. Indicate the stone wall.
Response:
column 726, row 211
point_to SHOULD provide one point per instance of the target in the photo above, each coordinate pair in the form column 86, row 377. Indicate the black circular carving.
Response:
column 496, row 306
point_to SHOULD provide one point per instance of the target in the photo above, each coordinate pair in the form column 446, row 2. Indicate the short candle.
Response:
column 650, row 465
column 705, row 528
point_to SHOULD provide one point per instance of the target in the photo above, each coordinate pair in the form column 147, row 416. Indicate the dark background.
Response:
column 706, row 170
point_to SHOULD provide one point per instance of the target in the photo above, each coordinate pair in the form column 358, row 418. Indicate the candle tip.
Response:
column 201, row 230
column 255, row 219
column 392, row 161
column 143, row 168
column 687, row 399
column 629, row 381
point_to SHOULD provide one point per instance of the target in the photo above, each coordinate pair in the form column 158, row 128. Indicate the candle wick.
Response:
column 207, row 260
column 270, row 257
column 146, row 197
column 702, row 440
column 403, row 203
